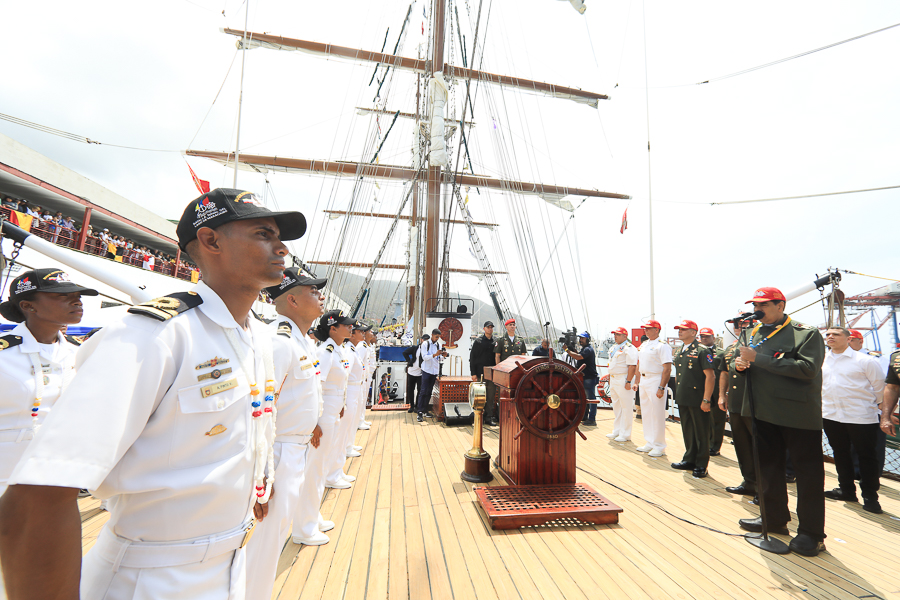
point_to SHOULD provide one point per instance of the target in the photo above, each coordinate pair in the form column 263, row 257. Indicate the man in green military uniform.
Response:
column 718, row 415
column 731, row 398
column 783, row 367
column 510, row 344
column 695, row 380
column 891, row 394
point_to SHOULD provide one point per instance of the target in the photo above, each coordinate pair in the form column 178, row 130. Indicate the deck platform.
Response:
column 409, row 528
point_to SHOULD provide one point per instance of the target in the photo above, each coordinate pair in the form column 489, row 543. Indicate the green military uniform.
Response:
column 691, row 363
column 893, row 372
column 741, row 427
column 785, row 381
column 717, row 431
column 507, row 347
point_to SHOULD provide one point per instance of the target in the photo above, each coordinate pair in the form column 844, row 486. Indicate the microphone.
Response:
column 747, row 317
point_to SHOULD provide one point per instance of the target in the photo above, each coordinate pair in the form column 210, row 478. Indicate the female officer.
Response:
column 36, row 360
column 333, row 329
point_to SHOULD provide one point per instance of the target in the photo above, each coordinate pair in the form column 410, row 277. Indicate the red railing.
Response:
column 68, row 238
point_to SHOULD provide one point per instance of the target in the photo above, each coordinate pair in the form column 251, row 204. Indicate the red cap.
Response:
column 766, row 294
column 855, row 333
column 620, row 330
column 707, row 331
column 510, row 322
column 651, row 323
column 687, row 324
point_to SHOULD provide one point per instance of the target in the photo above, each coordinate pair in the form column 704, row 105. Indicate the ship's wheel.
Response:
column 451, row 330
column 550, row 400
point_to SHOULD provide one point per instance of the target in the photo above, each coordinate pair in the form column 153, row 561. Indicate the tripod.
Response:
column 763, row 540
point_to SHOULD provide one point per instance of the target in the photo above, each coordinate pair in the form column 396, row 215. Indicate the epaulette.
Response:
column 799, row 325
column 163, row 309
column 284, row 328
column 8, row 341
column 259, row 318
column 75, row 341
column 895, row 361
column 330, row 347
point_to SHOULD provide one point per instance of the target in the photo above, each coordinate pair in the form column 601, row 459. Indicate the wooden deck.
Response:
column 410, row 528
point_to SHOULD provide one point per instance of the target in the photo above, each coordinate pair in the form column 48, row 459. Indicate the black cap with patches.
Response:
column 360, row 326
column 335, row 317
column 53, row 281
column 291, row 278
column 488, row 324
column 224, row 205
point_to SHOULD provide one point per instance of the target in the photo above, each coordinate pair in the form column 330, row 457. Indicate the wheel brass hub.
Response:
column 553, row 401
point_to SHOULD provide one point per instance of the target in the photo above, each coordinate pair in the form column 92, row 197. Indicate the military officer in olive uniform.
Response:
column 891, row 393
column 731, row 398
column 510, row 344
column 783, row 364
column 695, row 380
column 718, row 415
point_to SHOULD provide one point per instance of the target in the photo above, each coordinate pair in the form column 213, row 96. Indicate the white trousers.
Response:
column 622, row 405
column 218, row 578
column 354, row 390
column 363, row 401
column 653, row 412
column 312, row 489
column 268, row 539
column 334, row 464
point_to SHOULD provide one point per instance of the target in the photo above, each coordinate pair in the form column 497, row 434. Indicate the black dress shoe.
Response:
column 700, row 473
column 714, row 453
column 872, row 505
column 806, row 545
column 683, row 466
column 493, row 422
column 740, row 489
column 839, row 494
column 755, row 499
column 412, row 409
column 755, row 525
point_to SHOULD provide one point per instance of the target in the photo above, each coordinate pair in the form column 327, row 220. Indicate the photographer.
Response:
column 782, row 362
column 481, row 356
column 413, row 375
column 585, row 356
column 431, row 354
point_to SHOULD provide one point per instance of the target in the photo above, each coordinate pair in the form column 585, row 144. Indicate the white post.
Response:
column 649, row 174
column 237, row 143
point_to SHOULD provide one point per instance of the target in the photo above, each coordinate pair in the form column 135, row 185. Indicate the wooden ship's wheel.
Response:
column 451, row 330
column 550, row 400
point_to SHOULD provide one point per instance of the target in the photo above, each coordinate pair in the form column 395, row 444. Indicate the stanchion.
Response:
column 478, row 462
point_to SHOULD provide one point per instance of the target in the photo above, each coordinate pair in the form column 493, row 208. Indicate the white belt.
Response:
column 293, row 439
column 16, row 435
column 149, row 555
column 623, row 374
column 650, row 373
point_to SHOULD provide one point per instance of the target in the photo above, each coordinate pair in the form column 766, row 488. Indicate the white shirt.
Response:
column 416, row 369
column 334, row 370
column 300, row 400
column 17, row 378
column 430, row 363
column 622, row 356
column 135, row 423
column 852, row 387
column 652, row 355
column 356, row 358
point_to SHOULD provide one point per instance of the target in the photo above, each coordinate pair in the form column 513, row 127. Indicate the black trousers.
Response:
column 425, row 392
column 864, row 438
column 413, row 385
column 805, row 446
column 717, row 433
column 742, row 437
column 695, row 426
column 491, row 403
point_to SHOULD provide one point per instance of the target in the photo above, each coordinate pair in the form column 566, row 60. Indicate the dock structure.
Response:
column 410, row 528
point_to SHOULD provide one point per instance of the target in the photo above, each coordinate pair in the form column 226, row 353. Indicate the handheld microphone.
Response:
column 747, row 317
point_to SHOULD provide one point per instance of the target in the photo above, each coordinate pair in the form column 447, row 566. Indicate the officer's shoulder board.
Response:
column 798, row 325
column 895, row 361
column 284, row 329
column 166, row 307
column 9, row 341
column 75, row 341
column 330, row 347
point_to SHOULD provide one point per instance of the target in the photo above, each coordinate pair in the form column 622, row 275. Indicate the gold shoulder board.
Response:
column 284, row 328
column 9, row 341
column 163, row 309
column 330, row 347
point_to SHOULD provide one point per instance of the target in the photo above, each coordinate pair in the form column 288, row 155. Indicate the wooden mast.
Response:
column 433, row 197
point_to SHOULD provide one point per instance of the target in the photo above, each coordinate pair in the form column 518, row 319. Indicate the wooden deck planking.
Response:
column 410, row 528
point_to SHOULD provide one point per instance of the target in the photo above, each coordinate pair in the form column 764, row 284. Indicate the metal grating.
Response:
column 559, row 505
column 562, row 497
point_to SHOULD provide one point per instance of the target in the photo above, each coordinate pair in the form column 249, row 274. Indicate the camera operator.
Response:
column 481, row 356
column 585, row 356
column 431, row 354
column 783, row 364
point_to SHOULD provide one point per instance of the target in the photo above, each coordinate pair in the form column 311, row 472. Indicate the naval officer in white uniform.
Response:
column 162, row 416
column 333, row 329
column 346, row 429
column 623, row 358
column 37, row 361
column 299, row 301
column 654, row 367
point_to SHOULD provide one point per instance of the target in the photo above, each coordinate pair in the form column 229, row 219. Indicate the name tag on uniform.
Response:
column 45, row 369
column 216, row 388
column 306, row 366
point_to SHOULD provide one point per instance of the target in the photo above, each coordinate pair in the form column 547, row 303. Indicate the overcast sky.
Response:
column 145, row 75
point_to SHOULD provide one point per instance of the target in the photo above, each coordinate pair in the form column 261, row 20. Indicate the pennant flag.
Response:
column 20, row 219
column 624, row 222
column 202, row 186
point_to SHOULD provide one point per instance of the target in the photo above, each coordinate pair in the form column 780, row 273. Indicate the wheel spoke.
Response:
column 563, row 386
column 535, row 415
column 539, row 387
column 542, row 400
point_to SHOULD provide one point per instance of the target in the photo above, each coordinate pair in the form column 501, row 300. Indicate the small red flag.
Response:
column 624, row 222
column 202, row 186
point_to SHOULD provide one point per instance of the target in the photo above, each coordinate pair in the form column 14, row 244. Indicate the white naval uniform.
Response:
column 362, row 353
column 136, row 424
column 346, row 427
column 621, row 357
column 299, row 408
column 333, row 373
column 17, row 391
column 652, row 355
column 370, row 368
